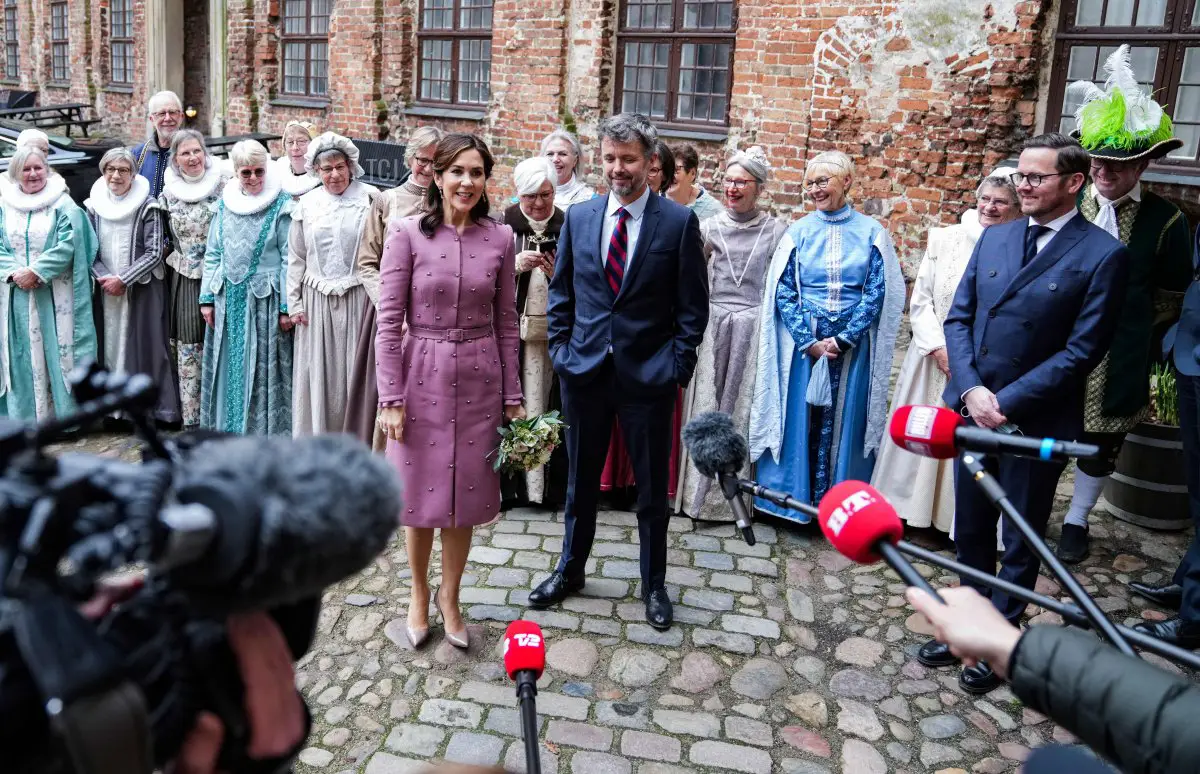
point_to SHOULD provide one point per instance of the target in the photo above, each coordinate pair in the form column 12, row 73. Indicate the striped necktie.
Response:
column 618, row 248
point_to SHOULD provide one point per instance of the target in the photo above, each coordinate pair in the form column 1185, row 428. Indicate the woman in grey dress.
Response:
column 738, row 243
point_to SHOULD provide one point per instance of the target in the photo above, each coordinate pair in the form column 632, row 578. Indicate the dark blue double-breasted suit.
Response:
column 1031, row 334
column 624, row 355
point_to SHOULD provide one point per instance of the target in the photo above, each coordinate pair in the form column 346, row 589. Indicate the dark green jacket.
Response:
column 1159, row 242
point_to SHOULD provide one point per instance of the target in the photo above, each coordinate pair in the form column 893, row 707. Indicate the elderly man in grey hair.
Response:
column 627, row 309
column 166, row 116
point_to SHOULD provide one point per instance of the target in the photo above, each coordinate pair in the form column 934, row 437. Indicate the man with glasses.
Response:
column 153, row 156
column 1035, row 312
column 1156, row 234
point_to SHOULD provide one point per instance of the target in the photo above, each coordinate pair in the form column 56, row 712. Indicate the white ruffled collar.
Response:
column 296, row 185
column 18, row 199
column 570, row 188
column 237, row 202
column 190, row 192
column 109, row 207
column 355, row 193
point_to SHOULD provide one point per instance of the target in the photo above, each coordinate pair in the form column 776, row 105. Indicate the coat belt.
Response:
column 451, row 334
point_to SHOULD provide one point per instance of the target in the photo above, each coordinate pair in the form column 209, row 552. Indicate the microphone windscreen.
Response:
column 713, row 444
column 295, row 516
column 926, row 430
column 524, row 648
column 855, row 518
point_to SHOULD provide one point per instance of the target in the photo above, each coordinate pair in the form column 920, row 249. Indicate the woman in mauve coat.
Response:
column 446, row 386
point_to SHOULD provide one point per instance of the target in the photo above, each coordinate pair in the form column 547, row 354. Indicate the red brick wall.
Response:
column 195, row 61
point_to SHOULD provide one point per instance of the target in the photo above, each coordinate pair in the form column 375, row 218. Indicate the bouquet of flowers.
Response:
column 526, row 444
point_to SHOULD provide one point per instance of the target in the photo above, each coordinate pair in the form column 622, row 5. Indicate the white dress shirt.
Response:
column 633, row 225
column 1055, row 226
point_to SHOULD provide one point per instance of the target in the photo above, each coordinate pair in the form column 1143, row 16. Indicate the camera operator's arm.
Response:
column 1136, row 715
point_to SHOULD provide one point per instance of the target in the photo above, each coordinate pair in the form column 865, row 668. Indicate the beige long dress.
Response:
column 922, row 489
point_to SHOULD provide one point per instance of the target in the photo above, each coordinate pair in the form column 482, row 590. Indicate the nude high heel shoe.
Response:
column 416, row 637
column 461, row 640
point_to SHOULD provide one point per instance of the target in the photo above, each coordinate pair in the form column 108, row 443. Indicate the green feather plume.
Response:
column 1102, row 125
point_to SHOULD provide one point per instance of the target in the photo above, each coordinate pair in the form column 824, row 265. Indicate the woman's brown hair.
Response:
column 448, row 149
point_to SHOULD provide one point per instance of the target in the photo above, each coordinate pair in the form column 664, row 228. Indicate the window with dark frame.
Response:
column 121, row 41
column 455, row 52
column 304, row 35
column 675, row 60
column 1164, row 41
column 60, row 43
column 12, row 54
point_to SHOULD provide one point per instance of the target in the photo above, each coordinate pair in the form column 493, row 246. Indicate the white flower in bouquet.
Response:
column 526, row 444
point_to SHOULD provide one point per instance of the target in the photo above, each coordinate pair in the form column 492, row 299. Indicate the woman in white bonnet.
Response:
column 738, row 243
column 923, row 489
column 325, row 295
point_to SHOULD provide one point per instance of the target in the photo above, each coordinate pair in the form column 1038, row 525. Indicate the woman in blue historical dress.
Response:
column 831, row 310
column 246, row 384
column 46, row 327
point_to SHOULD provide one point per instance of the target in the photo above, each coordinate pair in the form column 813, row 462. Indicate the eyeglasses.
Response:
column 1034, row 180
column 246, row 174
column 164, row 113
column 537, row 197
column 117, row 171
column 422, row 161
column 998, row 201
column 740, row 185
column 821, row 183
column 341, row 168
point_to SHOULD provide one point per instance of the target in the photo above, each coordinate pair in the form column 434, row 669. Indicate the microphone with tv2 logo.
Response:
column 524, row 661
column 932, row 431
column 864, row 527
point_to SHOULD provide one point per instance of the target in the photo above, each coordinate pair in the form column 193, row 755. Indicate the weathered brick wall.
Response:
column 195, row 61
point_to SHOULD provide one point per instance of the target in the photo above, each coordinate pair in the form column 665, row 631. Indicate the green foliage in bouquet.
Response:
column 1164, row 395
column 526, row 444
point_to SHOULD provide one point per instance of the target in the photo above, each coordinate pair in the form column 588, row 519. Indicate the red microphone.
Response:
column 931, row 431
column 864, row 527
column 524, row 661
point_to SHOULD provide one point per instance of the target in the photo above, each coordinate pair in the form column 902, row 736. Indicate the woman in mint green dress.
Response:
column 246, row 384
column 46, row 327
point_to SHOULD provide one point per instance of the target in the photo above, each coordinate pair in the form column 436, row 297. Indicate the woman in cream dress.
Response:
column 922, row 489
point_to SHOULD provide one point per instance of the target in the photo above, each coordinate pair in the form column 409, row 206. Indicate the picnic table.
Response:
column 220, row 146
column 67, row 116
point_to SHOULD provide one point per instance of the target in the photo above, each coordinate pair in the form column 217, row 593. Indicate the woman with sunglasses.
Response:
column 831, row 310
column 130, row 300
column 738, row 243
column 406, row 199
column 246, row 385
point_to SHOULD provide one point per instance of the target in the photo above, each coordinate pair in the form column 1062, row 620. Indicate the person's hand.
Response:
column 110, row 593
column 528, row 259
column 547, row 266
column 817, row 350
column 273, row 708
column 300, row 318
column 26, row 279
column 984, row 408
column 970, row 625
column 941, row 359
column 113, row 286
column 391, row 422
column 285, row 323
column 832, row 350
column 209, row 315
column 514, row 412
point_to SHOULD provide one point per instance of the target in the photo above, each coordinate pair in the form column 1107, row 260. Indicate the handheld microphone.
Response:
column 864, row 527
column 717, row 449
column 524, row 661
column 940, row 433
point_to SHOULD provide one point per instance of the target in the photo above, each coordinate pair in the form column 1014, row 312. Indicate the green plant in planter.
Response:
column 1164, row 395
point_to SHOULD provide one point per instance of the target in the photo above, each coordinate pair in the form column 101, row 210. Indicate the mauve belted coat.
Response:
column 455, row 370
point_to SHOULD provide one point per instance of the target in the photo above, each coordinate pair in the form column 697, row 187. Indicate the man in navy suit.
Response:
column 628, row 307
column 1182, row 344
column 1035, row 312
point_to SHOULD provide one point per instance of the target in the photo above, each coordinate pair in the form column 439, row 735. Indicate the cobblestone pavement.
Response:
column 784, row 657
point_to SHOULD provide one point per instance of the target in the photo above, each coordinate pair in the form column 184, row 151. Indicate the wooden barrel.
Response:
column 1149, row 488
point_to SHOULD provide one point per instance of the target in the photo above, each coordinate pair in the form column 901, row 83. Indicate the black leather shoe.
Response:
column 936, row 654
column 553, row 590
column 1185, row 634
column 1073, row 545
column 979, row 679
column 658, row 610
column 1169, row 596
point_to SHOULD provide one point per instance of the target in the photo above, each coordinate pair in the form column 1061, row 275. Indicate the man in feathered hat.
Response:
column 1124, row 129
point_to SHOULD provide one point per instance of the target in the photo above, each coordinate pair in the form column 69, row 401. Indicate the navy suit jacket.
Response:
column 655, row 323
column 1032, row 335
column 1182, row 341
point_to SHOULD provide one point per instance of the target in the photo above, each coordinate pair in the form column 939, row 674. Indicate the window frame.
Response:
column 456, row 35
column 60, row 46
column 124, row 42
column 12, row 43
column 1172, row 39
column 677, row 36
column 308, row 39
